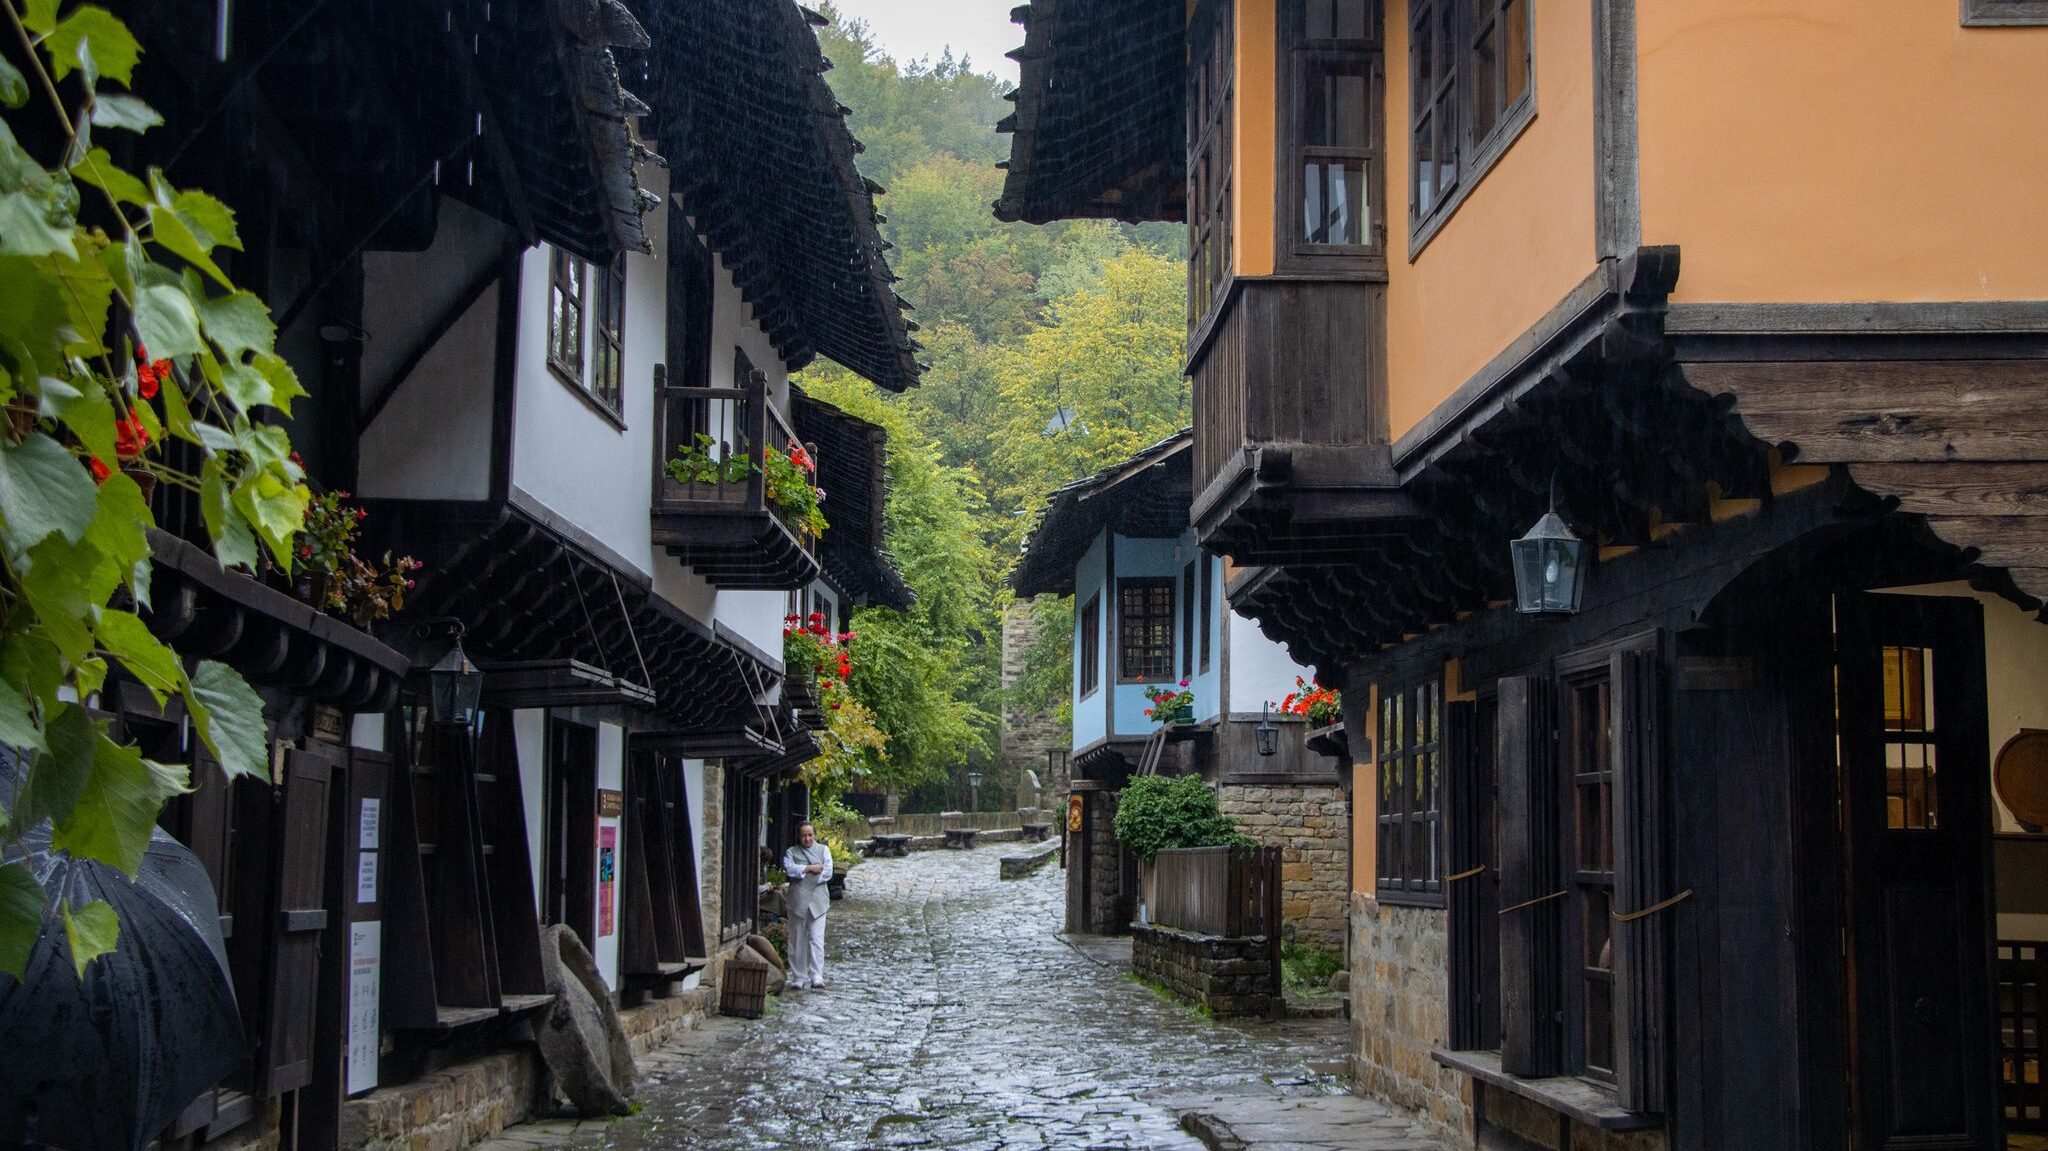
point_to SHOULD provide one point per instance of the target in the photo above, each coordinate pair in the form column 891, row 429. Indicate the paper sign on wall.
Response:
column 365, row 970
column 366, row 835
column 607, row 870
column 366, row 877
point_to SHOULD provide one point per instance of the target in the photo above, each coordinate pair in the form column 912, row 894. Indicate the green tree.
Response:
column 112, row 338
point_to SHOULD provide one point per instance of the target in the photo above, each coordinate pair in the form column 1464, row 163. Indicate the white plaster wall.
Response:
column 366, row 731
column 755, row 615
column 530, row 743
column 611, row 776
column 1260, row 669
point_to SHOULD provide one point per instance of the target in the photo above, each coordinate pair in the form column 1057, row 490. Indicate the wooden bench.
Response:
column 961, row 838
column 889, row 845
column 1037, row 832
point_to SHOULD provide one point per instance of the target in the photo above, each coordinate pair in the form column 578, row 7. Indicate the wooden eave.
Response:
column 852, row 459
column 763, row 162
column 1145, row 496
column 1099, row 130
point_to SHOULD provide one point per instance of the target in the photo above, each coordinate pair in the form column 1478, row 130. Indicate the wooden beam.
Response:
column 1893, row 411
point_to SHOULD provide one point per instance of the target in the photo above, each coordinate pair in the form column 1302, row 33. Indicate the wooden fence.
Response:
column 1228, row 891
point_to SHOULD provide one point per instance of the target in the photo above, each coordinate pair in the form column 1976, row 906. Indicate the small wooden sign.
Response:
column 326, row 723
column 610, row 804
column 1073, row 813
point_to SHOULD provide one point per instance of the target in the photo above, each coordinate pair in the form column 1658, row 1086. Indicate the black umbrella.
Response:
column 110, row 1060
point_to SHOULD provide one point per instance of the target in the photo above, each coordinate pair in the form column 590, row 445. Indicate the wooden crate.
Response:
column 743, row 990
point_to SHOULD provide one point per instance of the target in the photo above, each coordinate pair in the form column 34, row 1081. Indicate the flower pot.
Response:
column 1185, row 713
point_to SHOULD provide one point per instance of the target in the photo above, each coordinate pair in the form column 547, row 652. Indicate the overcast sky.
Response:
column 908, row 29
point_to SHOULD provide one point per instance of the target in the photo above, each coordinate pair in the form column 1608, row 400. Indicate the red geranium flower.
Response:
column 100, row 471
column 130, row 436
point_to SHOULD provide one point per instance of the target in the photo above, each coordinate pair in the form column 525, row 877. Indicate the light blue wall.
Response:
column 1135, row 558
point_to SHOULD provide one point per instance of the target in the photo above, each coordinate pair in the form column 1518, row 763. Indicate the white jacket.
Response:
column 807, row 897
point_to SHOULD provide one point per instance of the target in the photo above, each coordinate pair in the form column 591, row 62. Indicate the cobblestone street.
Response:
column 957, row 1018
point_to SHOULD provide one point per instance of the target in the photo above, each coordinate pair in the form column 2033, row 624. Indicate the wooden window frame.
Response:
column 1135, row 623
column 1298, row 58
column 1591, row 888
column 566, row 288
column 1208, row 615
column 1402, row 753
column 607, row 383
column 1472, row 158
column 1211, row 98
column 2004, row 13
column 1090, row 624
column 1187, row 621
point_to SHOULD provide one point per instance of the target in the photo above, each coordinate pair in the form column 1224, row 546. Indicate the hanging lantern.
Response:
column 1550, row 570
column 1266, row 735
column 455, row 688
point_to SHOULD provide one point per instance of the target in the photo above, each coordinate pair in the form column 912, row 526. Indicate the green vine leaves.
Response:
column 119, row 332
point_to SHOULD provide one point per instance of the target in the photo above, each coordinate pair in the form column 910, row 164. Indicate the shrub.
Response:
column 1154, row 813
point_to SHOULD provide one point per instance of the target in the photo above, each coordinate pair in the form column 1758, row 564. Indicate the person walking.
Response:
column 809, row 864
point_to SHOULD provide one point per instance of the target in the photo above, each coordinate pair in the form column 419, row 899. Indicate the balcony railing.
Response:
column 722, row 523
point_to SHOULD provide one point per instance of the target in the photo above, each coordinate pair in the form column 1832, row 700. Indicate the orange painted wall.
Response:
column 1521, row 240
column 1844, row 150
column 1257, row 112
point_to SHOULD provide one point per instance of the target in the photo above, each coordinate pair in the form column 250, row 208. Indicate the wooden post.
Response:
column 1269, row 860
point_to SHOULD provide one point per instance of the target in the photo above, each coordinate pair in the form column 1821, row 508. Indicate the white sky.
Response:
column 908, row 29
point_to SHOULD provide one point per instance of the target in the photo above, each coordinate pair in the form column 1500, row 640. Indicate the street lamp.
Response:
column 974, row 791
column 455, row 687
column 1549, row 567
column 1266, row 735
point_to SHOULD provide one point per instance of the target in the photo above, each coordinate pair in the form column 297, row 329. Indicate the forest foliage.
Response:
column 1053, row 352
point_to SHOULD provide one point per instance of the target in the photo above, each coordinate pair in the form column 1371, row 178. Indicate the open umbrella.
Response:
column 110, row 1060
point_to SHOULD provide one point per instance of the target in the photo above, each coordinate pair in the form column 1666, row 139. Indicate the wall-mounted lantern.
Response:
column 455, row 687
column 1550, row 569
column 1266, row 735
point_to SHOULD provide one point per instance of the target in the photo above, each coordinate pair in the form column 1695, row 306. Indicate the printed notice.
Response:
column 365, row 967
column 366, row 877
column 366, row 837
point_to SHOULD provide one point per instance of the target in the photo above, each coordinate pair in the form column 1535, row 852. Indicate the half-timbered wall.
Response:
column 1817, row 150
column 1520, row 241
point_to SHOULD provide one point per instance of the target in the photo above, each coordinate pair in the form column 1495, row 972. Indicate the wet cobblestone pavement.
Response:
column 957, row 1018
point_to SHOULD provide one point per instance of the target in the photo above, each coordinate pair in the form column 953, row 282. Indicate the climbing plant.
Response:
column 119, row 330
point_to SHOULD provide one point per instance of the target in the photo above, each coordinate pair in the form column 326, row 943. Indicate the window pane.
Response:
column 1447, row 137
column 1333, row 202
column 1351, row 20
column 1422, row 71
column 1515, row 32
column 1485, row 81
column 1334, row 111
column 1425, row 168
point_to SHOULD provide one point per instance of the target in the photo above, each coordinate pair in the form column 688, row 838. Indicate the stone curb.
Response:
column 1019, row 866
column 1214, row 1133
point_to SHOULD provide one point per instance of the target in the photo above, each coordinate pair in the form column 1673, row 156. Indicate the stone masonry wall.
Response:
column 1311, row 828
column 1027, row 735
column 711, row 874
column 1228, row 976
column 1530, row 1126
column 1105, row 867
column 1399, row 1004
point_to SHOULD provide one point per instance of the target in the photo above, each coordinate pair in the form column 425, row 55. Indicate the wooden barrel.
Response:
column 743, row 990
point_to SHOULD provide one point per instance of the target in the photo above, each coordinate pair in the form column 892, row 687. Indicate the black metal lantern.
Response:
column 455, row 688
column 974, row 791
column 1550, row 568
column 1266, row 735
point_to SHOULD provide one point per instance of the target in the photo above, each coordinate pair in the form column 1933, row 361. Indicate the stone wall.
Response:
column 1311, row 827
column 711, row 874
column 1228, row 976
column 1399, row 1004
column 1513, row 1123
column 1027, row 735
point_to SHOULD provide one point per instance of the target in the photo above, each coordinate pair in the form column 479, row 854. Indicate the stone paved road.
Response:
column 957, row 1018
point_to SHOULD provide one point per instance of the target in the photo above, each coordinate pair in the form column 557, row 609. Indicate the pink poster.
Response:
column 607, row 870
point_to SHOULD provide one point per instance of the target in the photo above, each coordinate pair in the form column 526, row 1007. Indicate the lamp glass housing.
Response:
column 456, row 688
column 1266, row 736
column 1550, row 570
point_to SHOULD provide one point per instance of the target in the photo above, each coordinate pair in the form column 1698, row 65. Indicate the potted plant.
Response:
column 788, row 479
column 334, row 579
column 1323, row 708
column 1171, row 705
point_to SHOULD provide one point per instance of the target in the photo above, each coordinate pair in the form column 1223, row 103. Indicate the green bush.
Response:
column 1154, row 813
column 1306, row 968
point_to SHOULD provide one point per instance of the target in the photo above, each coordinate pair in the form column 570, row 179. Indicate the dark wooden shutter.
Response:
column 1472, row 899
column 299, row 916
column 1642, row 879
column 1531, row 916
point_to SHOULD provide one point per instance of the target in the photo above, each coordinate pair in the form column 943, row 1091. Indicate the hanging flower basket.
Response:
column 1328, row 739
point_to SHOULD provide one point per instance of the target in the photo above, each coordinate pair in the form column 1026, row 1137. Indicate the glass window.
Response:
column 1209, row 97
column 1469, row 81
column 1091, row 646
column 565, row 314
column 607, row 380
column 1334, row 141
column 1144, row 623
column 1589, row 827
column 1410, row 754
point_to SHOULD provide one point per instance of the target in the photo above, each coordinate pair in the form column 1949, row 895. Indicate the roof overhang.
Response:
column 1146, row 496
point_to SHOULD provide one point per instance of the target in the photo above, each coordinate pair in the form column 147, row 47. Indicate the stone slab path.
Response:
column 958, row 1018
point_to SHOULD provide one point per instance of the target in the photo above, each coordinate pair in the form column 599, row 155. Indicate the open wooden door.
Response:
column 1915, row 782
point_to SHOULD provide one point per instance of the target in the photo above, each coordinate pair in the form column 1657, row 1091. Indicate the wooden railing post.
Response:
column 1269, row 858
column 757, row 430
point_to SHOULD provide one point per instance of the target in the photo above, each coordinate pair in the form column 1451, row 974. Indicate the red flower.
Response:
column 99, row 470
column 130, row 436
column 149, row 375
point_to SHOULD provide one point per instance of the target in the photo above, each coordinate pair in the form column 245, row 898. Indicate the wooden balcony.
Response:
column 1291, row 458
column 726, row 529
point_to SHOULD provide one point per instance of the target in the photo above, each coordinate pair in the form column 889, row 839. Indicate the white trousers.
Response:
column 807, row 950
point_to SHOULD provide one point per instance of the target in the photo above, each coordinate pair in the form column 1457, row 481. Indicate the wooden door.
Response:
column 1916, row 775
column 297, row 924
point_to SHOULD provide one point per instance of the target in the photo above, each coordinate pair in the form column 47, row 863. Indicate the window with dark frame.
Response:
column 1470, row 67
column 1208, row 604
column 1335, row 148
column 1588, row 825
column 1994, row 13
column 1144, row 629
column 1410, row 761
column 1187, row 621
column 1209, row 98
column 1091, row 646
column 565, row 315
column 607, row 377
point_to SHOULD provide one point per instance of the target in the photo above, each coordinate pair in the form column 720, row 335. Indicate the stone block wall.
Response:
column 1400, row 1013
column 1311, row 827
column 1228, row 976
column 1027, row 735
column 1509, row 1120
column 710, row 876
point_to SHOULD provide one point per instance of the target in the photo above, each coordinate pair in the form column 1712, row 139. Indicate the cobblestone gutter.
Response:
column 1228, row 976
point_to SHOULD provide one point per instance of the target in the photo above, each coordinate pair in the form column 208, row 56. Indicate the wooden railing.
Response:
column 742, row 422
column 1227, row 891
